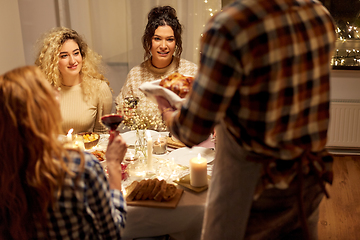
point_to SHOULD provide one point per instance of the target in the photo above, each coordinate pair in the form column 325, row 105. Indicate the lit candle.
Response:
column 149, row 150
column 79, row 142
column 69, row 135
column 159, row 146
column 198, row 171
column 130, row 157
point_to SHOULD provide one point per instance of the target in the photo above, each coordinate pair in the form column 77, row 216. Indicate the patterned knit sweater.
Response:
column 146, row 72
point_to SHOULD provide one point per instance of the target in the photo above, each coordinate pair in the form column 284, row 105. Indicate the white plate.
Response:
column 130, row 137
column 182, row 156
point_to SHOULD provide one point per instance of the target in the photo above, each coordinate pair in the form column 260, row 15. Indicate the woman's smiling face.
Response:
column 163, row 46
column 70, row 62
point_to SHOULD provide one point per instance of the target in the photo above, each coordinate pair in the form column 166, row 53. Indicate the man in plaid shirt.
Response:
column 263, row 84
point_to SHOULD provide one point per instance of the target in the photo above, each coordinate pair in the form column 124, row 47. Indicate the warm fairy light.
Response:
column 142, row 117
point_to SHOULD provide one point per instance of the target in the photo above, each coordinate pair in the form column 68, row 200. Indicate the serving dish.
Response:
column 91, row 139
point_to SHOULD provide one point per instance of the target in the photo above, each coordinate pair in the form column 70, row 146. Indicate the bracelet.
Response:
column 169, row 109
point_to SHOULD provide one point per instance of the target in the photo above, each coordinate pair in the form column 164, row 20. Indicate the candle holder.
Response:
column 160, row 145
column 131, row 157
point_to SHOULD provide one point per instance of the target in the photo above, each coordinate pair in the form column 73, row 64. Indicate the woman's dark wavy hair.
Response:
column 162, row 16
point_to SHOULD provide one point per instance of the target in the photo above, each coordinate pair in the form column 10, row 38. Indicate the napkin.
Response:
column 152, row 89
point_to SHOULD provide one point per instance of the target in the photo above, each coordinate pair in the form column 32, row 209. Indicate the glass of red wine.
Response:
column 112, row 121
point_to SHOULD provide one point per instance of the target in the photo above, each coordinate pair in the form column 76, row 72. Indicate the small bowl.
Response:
column 90, row 144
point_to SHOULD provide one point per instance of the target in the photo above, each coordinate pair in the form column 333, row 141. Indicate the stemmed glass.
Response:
column 112, row 121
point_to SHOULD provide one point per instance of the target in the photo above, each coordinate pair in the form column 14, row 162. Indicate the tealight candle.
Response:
column 159, row 146
column 130, row 157
column 198, row 171
column 79, row 142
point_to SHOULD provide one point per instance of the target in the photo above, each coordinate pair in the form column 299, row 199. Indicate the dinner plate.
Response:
column 130, row 137
column 182, row 156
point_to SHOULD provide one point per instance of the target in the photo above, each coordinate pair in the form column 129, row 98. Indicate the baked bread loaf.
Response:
column 170, row 192
column 159, row 195
column 143, row 186
column 151, row 189
column 132, row 190
column 177, row 83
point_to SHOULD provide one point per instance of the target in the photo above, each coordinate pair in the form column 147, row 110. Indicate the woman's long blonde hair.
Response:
column 31, row 168
column 48, row 60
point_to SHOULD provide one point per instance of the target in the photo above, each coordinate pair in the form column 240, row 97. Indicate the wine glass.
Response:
column 112, row 121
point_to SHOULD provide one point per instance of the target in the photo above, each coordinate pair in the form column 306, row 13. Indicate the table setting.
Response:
column 180, row 217
column 164, row 182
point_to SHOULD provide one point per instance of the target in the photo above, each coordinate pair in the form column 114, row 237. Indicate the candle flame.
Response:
column 199, row 155
column 70, row 131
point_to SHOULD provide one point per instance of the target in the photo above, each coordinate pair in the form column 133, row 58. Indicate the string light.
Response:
column 343, row 56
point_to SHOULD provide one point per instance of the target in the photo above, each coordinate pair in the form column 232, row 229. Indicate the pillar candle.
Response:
column 198, row 171
column 149, row 150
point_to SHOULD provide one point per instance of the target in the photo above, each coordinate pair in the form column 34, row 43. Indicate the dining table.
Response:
column 182, row 222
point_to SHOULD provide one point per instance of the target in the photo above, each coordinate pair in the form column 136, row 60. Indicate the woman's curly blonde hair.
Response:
column 48, row 60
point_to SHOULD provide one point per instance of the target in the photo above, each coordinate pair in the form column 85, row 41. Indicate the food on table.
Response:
column 159, row 196
column 169, row 192
column 90, row 137
column 156, row 188
column 177, row 83
column 99, row 154
column 150, row 189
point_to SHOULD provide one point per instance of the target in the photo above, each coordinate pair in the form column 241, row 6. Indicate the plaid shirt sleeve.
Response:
column 86, row 208
column 107, row 207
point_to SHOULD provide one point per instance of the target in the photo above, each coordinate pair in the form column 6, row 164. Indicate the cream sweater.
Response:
column 84, row 116
column 146, row 72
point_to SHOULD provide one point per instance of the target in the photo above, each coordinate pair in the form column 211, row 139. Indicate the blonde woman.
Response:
column 48, row 192
column 70, row 65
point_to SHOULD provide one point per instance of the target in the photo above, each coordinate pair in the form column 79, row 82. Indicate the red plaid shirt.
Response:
column 264, row 71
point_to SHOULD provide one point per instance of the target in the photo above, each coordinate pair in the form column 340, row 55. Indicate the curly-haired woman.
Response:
column 69, row 64
column 48, row 192
column 163, row 47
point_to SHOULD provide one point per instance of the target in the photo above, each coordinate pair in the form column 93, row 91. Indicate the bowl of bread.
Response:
column 91, row 139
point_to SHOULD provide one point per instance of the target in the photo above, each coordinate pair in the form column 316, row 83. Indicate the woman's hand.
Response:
column 162, row 103
column 115, row 154
column 116, row 148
